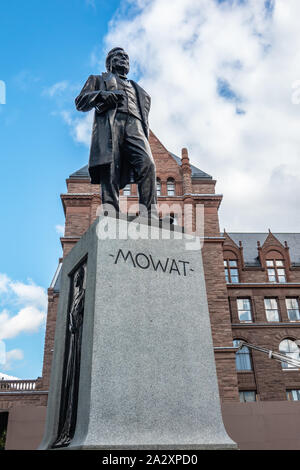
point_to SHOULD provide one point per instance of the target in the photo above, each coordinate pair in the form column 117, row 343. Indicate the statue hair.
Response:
column 110, row 55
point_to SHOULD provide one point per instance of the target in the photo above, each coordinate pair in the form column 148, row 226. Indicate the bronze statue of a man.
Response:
column 120, row 152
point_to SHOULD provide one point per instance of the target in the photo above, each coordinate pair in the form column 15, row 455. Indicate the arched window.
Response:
column 158, row 187
column 289, row 348
column 275, row 267
column 127, row 190
column 171, row 187
column 242, row 357
column 231, row 268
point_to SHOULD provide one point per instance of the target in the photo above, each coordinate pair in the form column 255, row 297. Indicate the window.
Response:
column 292, row 307
column 171, row 187
column 276, row 271
column 247, row 396
column 231, row 271
column 293, row 395
column 158, row 187
column 244, row 310
column 271, row 309
column 127, row 190
column 242, row 357
column 289, row 348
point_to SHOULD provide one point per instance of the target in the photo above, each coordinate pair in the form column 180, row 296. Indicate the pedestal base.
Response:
column 147, row 370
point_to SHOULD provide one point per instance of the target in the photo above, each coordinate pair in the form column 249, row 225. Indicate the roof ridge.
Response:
column 83, row 171
column 194, row 169
column 249, row 240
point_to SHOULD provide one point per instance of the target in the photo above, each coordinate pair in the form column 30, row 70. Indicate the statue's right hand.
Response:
column 109, row 98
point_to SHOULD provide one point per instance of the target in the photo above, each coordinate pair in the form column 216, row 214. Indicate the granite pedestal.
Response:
column 147, row 370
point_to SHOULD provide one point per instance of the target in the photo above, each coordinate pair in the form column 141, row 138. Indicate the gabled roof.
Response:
column 196, row 172
column 249, row 243
column 83, row 173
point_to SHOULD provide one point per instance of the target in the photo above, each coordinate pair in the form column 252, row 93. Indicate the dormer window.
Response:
column 275, row 269
column 170, row 187
column 231, row 271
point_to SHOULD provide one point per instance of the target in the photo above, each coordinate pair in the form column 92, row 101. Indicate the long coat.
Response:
column 102, row 143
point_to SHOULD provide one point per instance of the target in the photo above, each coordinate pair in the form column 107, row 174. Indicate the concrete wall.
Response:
column 260, row 425
column 263, row 425
column 25, row 427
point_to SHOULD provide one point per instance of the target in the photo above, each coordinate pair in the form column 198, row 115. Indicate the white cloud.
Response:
column 11, row 356
column 60, row 229
column 7, row 377
column 24, row 308
column 29, row 294
column 2, row 352
column 182, row 53
column 27, row 320
column 80, row 126
column 4, row 280
column 56, row 88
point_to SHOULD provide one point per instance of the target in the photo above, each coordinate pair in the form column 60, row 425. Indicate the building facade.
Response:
column 253, row 292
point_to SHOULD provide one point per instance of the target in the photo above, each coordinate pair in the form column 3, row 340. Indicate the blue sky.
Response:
column 224, row 77
column 42, row 43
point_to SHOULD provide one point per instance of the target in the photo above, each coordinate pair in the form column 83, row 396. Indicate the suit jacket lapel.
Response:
column 110, row 81
column 141, row 98
column 110, row 84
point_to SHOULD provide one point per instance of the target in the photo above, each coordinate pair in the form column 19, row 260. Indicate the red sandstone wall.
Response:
column 268, row 378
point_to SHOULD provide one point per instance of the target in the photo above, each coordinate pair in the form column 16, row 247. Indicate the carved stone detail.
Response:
column 71, row 369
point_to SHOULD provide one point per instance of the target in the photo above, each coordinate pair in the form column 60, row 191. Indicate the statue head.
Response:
column 79, row 277
column 117, row 61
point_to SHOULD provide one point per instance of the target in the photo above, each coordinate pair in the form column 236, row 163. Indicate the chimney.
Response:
column 186, row 172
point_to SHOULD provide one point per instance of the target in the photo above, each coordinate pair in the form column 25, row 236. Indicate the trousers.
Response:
column 130, row 143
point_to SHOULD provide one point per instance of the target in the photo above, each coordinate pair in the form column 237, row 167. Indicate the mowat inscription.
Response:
column 146, row 261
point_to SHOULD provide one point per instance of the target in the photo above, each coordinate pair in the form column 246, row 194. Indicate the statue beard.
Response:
column 120, row 70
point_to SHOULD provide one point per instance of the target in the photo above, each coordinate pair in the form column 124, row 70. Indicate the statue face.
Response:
column 120, row 62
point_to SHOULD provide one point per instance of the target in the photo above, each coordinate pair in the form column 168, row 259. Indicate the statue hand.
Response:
column 110, row 98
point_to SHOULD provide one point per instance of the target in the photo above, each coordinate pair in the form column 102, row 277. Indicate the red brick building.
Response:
column 253, row 290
